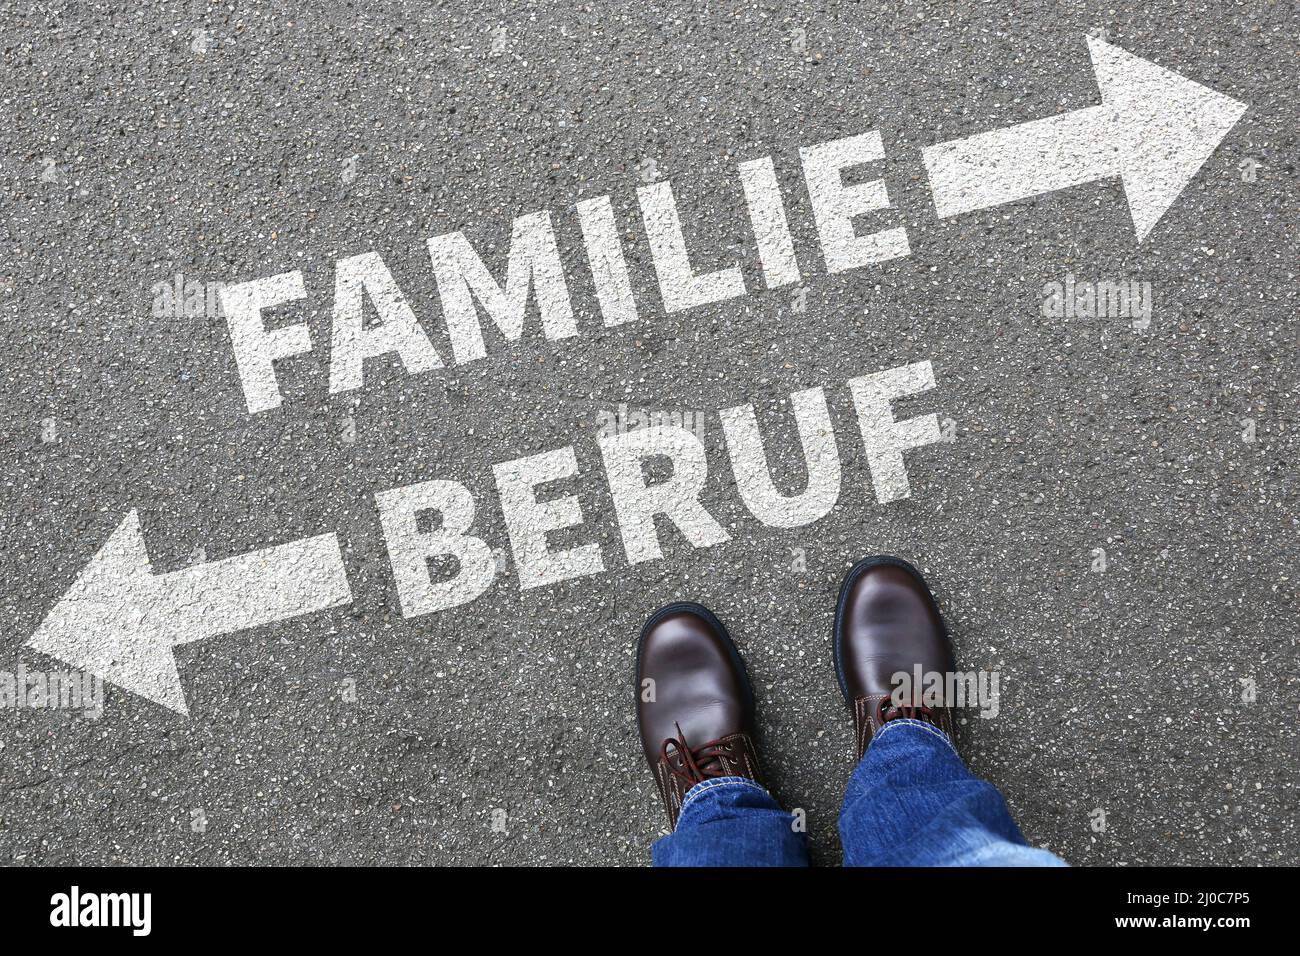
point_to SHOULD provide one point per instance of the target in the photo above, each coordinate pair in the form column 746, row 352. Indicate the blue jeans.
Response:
column 910, row 802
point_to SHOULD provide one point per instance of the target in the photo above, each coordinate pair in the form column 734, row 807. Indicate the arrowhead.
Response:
column 1164, row 128
column 108, row 622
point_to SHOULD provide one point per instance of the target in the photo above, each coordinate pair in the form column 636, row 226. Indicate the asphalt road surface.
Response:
column 1110, row 521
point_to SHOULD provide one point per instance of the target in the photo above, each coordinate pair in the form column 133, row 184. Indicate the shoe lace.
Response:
column 694, row 764
column 887, row 710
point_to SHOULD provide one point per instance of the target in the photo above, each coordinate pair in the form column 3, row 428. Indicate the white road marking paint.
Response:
column 771, row 228
column 886, row 439
column 1154, row 129
column 395, row 328
column 835, row 205
column 529, row 521
column 754, row 479
column 256, row 347
column 677, row 497
column 120, row 621
column 679, row 284
column 534, row 263
column 409, row 548
column 608, row 264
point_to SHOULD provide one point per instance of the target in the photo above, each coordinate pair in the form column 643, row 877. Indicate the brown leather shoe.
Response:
column 886, row 622
column 697, row 717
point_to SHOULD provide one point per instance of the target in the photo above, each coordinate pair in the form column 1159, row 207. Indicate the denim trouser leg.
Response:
column 731, row 821
column 912, row 802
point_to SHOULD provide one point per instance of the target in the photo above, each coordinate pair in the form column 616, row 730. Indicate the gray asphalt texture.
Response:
column 1122, row 690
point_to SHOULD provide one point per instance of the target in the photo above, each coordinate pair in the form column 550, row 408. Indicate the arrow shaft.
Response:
column 253, row 589
column 1024, row 160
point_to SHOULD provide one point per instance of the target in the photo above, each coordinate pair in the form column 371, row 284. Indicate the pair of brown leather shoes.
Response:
column 695, row 707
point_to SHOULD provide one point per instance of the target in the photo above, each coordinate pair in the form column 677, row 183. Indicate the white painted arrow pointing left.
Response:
column 120, row 621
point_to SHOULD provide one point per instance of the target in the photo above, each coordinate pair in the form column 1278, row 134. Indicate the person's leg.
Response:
column 911, row 801
column 731, row 821
column 695, row 713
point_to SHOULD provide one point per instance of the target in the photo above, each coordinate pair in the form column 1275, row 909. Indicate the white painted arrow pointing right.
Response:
column 1154, row 129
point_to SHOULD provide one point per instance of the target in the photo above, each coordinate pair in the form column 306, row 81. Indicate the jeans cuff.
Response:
column 713, row 783
column 921, row 725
